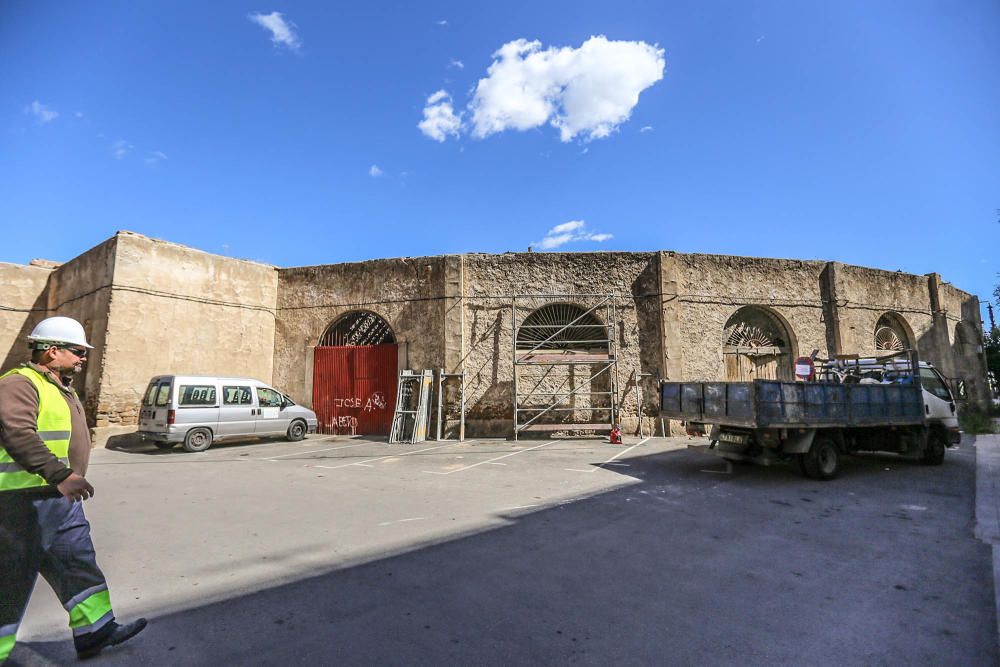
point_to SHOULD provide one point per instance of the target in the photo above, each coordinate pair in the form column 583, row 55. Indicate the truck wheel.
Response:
column 934, row 452
column 198, row 440
column 296, row 431
column 823, row 460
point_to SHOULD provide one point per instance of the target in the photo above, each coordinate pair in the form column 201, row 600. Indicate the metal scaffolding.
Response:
column 554, row 337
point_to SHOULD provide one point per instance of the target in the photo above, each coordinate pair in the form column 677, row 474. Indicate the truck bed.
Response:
column 776, row 404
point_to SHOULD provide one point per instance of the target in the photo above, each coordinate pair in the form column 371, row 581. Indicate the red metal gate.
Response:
column 354, row 389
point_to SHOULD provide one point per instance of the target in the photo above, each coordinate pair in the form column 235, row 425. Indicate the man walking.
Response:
column 44, row 453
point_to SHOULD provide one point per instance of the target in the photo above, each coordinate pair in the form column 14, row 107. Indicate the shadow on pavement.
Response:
column 683, row 567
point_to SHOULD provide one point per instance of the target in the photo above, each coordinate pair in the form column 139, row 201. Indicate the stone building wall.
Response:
column 408, row 293
column 490, row 282
column 81, row 289
column 177, row 310
column 712, row 288
column 23, row 301
column 151, row 307
column 864, row 295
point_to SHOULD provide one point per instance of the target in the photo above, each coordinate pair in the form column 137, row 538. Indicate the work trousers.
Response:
column 52, row 536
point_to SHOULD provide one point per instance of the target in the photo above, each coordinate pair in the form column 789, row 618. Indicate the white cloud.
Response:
column 155, row 158
column 374, row 171
column 282, row 32
column 121, row 148
column 574, row 230
column 586, row 91
column 440, row 120
column 456, row 63
column 443, row 22
column 78, row 114
column 42, row 113
column 646, row 128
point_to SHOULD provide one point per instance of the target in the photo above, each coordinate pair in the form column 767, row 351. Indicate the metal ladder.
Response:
column 409, row 421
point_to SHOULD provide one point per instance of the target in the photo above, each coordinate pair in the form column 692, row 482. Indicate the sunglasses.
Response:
column 78, row 351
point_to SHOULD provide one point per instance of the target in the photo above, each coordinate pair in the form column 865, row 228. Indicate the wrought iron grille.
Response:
column 360, row 327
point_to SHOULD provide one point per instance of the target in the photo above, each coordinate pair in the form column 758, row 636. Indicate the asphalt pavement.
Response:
column 551, row 552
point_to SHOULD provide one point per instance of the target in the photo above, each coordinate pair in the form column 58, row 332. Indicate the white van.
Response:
column 197, row 411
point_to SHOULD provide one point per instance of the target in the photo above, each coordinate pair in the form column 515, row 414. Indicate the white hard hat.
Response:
column 59, row 330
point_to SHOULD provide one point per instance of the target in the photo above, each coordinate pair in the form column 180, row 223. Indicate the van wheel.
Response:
column 823, row 460
column 934, row 452
column 296, row 431
column 198, row 440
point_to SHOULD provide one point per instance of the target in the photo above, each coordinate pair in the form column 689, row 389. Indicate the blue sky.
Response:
column 863, row 132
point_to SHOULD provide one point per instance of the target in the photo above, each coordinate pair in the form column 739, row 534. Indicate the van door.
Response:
column 236, row 416
column 155, row 405
column 270, row 421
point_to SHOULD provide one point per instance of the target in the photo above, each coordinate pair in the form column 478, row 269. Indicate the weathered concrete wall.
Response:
column 181, row 311
column 713, row 287
column 23, row 300
column 490, row 282
column 408, row 293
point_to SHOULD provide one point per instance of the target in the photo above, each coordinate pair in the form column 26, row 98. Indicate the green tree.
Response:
column 991, row 343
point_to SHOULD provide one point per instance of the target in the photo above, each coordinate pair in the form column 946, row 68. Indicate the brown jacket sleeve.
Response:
column 19, row 430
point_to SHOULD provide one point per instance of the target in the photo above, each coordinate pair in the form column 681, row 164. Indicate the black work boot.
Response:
column 110, row 635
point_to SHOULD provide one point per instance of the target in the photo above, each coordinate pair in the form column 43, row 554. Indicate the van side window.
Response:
column 236, row 396
column 932, row 383
column 163, row 394
column 268, row 398
column 197, row 394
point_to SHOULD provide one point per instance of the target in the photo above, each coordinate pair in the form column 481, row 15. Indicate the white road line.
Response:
column 494, row 463
column 520, row 451
column 518, row 507
column 389, row 523
column 610, row 462
column 381, row 458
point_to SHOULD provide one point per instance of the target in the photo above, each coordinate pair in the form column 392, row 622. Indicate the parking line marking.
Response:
column 315, row 451
column 390, row 456
column 520, row 451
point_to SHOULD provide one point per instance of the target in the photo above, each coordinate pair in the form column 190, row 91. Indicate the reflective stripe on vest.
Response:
column 55, row 423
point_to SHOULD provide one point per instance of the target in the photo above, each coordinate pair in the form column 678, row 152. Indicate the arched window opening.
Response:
column 562, row 326
column 757, row 345
column 890, row 334
column 360, row 327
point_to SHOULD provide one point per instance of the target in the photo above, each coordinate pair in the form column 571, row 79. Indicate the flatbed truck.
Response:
column 878, row 404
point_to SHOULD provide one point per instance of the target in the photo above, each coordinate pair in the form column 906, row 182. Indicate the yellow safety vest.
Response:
column 55, row 423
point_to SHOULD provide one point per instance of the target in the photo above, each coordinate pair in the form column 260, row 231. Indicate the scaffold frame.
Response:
column 570, row 343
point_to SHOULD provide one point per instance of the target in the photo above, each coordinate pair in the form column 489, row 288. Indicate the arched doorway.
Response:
column 891, row 334
column 355, row 374
column 757, row 346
